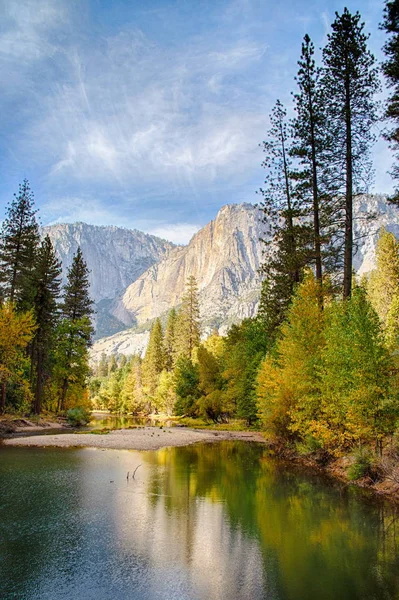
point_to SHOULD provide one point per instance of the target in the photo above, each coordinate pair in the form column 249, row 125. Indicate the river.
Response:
column 203, row 522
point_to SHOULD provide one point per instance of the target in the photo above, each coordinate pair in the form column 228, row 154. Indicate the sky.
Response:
column 149, row 115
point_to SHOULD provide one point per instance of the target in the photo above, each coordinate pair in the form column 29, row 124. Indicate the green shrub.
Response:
column 361, row 465
column 308, row 446
column 78, row 416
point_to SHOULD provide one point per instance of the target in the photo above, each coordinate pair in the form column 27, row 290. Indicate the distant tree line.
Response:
column 45, row 331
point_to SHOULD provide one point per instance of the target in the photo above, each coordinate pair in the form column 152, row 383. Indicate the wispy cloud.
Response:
column 119, row 109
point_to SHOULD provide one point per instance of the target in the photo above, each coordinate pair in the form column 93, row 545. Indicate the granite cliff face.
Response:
column 224, row 257
column 136, row 277
column 115, row 257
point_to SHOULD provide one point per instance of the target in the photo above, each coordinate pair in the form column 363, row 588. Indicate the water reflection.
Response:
column 218, row 521
column 99, row 420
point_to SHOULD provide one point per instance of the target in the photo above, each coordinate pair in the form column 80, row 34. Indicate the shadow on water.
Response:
column 208, row 521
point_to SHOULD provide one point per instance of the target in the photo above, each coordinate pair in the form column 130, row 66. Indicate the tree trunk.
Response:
column 3, row 397
column 37, row 405
column 348, row 197
column 316, row 208
column 63, row 394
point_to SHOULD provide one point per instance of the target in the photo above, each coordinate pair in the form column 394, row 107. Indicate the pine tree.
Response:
column 46, row 283
column 349, row 82
column 77, row 302
column 132, row 398
column 170, row 340
column 312, row 176
column 391, row 71
column 19, row 240
column 154, row 359
column 76, row 310
column 188, row 325
column 287, row 247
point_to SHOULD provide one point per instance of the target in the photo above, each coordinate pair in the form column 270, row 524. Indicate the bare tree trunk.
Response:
column 348, row 199
column 3, row 397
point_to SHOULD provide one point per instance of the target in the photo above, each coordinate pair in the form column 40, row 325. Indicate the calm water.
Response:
column 213, row 522
column 99, row 420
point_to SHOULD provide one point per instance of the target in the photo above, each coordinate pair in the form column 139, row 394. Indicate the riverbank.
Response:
column 10, row 426
column 139, row 438
column 383, row 479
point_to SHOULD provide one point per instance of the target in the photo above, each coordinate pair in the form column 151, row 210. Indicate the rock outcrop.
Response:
column 224, row 257
column 115, row 257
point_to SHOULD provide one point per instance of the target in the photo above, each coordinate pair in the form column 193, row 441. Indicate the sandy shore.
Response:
column 143, row 438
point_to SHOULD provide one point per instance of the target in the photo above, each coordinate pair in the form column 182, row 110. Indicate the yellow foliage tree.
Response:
column 16, row 331
column 288, row 383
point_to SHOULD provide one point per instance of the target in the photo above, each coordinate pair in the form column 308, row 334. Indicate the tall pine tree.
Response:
column 188, row 325
column 19, row 240
column 287, row 246
column 46, row 282
column 350, row 82
column 75, row 337
column 390, row 69
column 154, row 359
column 312, row 176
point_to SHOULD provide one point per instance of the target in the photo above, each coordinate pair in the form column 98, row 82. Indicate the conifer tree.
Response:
column 349, row 83
column 188, row 325
column 170, row 340
column 287, row 246
column 19, row 240
column 309, row 139
column 46, row 283
column 391, row 71
column 76, row 310
column 154, row 359
column 132, row 399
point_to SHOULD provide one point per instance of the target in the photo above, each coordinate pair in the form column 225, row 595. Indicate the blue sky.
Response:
column 149, row 114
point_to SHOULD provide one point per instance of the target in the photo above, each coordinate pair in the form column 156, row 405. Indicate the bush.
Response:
column 361, row 465
column 78, row 416
column 309, row 445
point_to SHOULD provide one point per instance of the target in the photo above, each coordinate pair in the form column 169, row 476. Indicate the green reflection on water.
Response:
column 206, row 521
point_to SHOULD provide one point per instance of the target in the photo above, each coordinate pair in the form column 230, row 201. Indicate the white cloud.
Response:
column 179, row 233
column 89, row 210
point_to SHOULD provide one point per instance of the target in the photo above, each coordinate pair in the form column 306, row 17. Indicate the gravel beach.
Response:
column 143, row 438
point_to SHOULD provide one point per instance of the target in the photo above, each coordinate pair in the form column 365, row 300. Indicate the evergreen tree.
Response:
column 76, row 311
column 77, row 302
column 188, row 327
column 349, row 82
column 391, row 71
column 287, row 246
column 46, row 283
column 103, row 366
column 170, row 340
column 19, row 240
column 245, row 347
column 132, row 398
column 186, row 386
column 309, row 139
column 154, row 359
